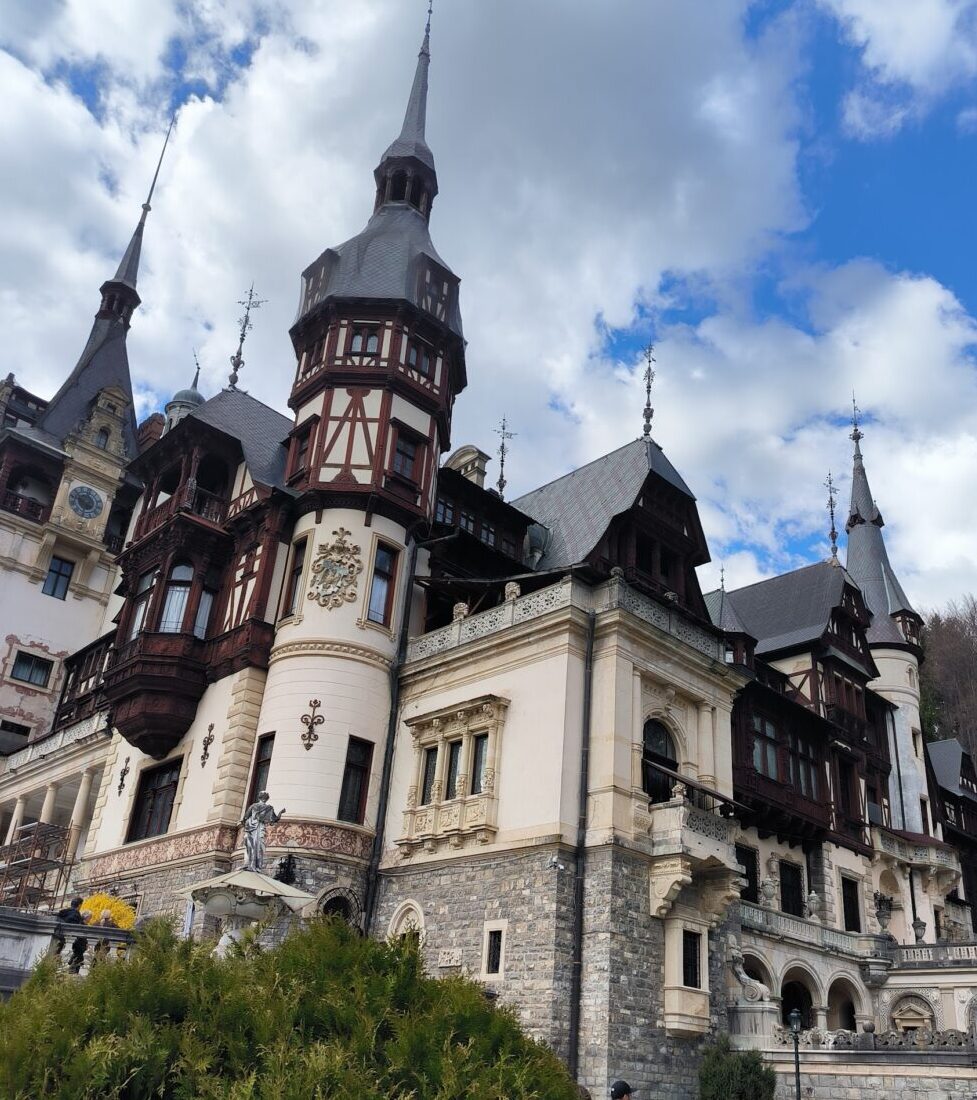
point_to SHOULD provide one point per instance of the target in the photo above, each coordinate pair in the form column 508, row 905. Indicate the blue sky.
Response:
column 778, row 192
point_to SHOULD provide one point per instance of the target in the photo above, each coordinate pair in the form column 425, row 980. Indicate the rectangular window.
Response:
column 153, row 806
column 924, row 815
column 382, row 586
column 691, row 963
column 454, row 765
column 917, row 743
column 405, row 456
column 430, row 769
column 509, row 546
column 803, row 766
column 846, row 778
column 364, row 341
column 444, row 511
column 302, row 450
column 144, row 593
column 493, row 952
column 262, row 765
column 487, row 534
column 467, row 522
column 765, row 747
column 356, row 781
column 749, row 859
column 202, row 618
column 853, row 910
column 31, row 669
column 14, row 728
column 479, row 761
column 58, row 578
column 294, row 580
column 791, row 888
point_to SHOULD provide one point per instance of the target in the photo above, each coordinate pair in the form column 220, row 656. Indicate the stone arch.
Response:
column 659, row 746
column 408, row 917
column 342, row 902
column 684, row 742
column 758, row 969
column 970, row 1015
column 844, row 1003
column 799, row 988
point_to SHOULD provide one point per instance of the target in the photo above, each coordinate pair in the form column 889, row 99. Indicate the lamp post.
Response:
column 794, row 1019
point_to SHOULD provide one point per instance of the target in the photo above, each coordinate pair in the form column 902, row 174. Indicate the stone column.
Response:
column 79, row 813
column 47, row 809
column 707, row 753
column 15, row 819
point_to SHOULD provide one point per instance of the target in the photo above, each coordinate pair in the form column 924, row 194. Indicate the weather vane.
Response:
column 502, row 431
column 237, row 359
column 649, row 378
column 856, row 433
column 196, row 362
column 833, row 533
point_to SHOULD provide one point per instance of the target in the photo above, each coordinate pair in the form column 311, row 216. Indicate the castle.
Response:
column 639, row 813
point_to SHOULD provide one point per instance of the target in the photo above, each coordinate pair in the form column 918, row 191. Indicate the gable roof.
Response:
column 579, row 506
column 260, row 429
column 789, row 610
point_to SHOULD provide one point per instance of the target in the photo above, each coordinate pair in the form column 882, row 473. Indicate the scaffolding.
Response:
column 34, row 866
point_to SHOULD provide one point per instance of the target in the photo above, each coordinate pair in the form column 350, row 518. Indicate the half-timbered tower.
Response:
column 380, row 360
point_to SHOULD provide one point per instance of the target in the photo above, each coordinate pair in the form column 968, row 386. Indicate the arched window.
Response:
column 102, row 439
column 658, row 749
column 176, row 598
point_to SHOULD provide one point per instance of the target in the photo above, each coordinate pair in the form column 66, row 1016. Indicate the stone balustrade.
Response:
column 57, row 742
column 925, row 956
column 812, row 933
column 614, row 595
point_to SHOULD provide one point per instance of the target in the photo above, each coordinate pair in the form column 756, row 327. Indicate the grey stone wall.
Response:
column 878, row 1086
column 458, row 897
column 622, row 1032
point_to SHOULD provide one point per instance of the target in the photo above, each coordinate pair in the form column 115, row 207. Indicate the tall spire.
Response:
column 412, row 142
column 105, row 363
column 867, row 560
column 649, row 378
column 129, row 267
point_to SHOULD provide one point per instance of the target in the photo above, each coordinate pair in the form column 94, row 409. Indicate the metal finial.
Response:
column 856, row 433
column 649, row 378
column 833, row 533
column 430, row 9
column 237, row 359
column 722, row 576
column 196, row 377
column 502, row 431
column 159, row 164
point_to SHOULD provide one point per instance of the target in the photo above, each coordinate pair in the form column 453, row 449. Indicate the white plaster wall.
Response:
column 895, row 684
column 418, row 419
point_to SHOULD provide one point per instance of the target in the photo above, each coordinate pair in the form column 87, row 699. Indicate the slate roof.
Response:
column 103, row 363
column 411, row 142
column 946, row 758
column 723, row 614
column 381, row 262
column 260, row 429
column 578, row 507
column 790, row 610
column 868, row 561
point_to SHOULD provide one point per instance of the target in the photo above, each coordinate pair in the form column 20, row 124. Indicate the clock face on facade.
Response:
column 85, row 501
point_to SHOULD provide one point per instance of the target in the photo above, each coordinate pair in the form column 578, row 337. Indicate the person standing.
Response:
column 72, row 915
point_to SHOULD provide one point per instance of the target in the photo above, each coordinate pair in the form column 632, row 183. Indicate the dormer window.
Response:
column 365, row 341
column 102, row 439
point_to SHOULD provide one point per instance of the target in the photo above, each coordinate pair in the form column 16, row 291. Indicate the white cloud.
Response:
column 579, row 158
column 913, row 51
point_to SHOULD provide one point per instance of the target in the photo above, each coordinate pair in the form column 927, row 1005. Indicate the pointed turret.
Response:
column 104, row 363
column 894, row 621
column 183, row 402
column 412, row 141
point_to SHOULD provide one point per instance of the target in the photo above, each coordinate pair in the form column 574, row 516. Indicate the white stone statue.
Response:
column 753, row 990
column 256, row 817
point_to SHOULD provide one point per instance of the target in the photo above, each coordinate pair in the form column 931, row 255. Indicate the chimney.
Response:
column 149, row 431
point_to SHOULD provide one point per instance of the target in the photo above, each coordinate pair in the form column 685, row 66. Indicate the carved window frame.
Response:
column 467, row 818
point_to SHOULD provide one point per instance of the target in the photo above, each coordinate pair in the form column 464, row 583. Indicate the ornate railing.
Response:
column 916, row 853
column 924, row 956
column 23, row 506
column 615, row 594
column 772, row 922
column 58, row 742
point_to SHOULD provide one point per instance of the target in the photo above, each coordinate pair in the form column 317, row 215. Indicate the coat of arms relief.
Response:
column 334, row 571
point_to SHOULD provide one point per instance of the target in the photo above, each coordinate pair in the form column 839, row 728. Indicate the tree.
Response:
column 325, row 1014
column 948, row 676
column 726, row 1074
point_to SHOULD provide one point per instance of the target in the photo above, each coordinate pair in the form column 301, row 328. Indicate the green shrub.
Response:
column 326, row 1014
column 728, row 1075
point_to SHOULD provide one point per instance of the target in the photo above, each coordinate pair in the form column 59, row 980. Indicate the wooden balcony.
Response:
column 153, row 684
column 25, row 507
column 188, row 498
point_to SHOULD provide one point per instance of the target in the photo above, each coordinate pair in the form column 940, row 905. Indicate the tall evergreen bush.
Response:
column 726, row 1074
column 326, row 1014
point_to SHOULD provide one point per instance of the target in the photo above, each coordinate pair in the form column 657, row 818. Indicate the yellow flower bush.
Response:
column 95, row 905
